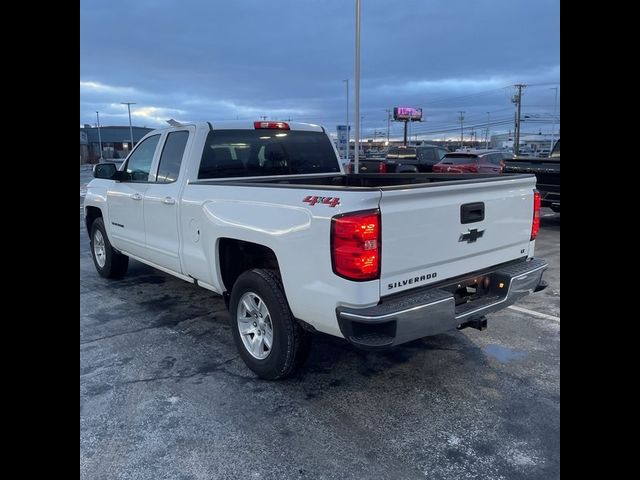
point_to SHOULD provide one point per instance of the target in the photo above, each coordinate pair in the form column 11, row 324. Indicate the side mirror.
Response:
column 107, row 171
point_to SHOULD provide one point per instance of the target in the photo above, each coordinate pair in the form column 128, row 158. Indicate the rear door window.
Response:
column 171, row 157
column 495, row 158
column 427, row 155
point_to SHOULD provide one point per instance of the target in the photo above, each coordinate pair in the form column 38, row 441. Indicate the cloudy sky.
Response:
column 196, row 60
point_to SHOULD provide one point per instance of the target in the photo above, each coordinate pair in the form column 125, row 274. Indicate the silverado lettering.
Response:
column 411, row 281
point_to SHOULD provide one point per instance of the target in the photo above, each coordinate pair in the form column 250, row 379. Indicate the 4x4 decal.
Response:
column 331, row 201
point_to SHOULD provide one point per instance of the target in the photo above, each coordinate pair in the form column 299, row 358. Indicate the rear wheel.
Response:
column 108, row 262
column 270, row 341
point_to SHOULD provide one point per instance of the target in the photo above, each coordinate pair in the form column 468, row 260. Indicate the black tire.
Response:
column 291, row 344
column 115, row 263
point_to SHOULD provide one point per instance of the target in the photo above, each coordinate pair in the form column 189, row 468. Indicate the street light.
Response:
column 99, row 136
column 553, row 120
column 488, row 127
column 128, row 104
column 347, row 148
column 356, row 162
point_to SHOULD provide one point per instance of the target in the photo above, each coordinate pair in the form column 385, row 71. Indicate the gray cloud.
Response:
column 199, row 60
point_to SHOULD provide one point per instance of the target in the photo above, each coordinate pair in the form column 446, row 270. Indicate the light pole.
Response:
column 356, row 160
column 347, row 148
column 553, row 120
column 486, row 145
column 461, row 118
column 99, row 136
column 128, row 104
column 388, row 124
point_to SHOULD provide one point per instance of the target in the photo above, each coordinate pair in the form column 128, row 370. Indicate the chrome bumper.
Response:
column 433, row 311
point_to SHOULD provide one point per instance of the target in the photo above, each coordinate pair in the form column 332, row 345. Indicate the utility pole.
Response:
column 99, row 136
column 347, row 148
column 128, row 104
column 553, row 121
column 356, row 160
column 518, row 102
column 486, row 144
column 461, row 118
column 388, row 123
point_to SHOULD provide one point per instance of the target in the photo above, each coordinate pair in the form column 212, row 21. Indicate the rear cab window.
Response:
column 398, row 152
column 262, row 152
column 171, row 157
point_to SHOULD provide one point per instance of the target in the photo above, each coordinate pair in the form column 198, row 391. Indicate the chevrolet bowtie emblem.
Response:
column 471, row 236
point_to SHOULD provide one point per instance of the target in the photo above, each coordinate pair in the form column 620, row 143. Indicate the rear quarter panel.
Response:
column 298, row 234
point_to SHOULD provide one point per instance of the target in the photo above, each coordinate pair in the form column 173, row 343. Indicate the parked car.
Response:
column 473, row 161
column 403, row 159
column 547, row 172
column 262, row 214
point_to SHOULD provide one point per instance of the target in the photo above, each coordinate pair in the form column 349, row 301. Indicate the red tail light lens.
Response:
column 382, row 167
column 535, row 226
column 275, row 125
column 355, row 245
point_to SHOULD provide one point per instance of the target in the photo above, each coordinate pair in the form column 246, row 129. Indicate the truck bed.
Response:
column 364, row 181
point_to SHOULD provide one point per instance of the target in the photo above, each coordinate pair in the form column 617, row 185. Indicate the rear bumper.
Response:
column 433, row 311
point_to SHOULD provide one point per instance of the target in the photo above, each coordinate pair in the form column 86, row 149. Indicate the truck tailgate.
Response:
column 424, row 239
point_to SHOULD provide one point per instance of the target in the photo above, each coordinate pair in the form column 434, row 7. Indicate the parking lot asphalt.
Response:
column 163, row 393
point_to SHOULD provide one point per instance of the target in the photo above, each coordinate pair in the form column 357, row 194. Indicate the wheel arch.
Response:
column 237, row 256
column 91, row 213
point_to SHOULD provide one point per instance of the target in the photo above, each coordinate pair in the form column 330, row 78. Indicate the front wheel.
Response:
column 108, row 262
column 270, row 341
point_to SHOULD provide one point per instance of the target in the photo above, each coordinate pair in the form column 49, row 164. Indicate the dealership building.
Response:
column 116, row 142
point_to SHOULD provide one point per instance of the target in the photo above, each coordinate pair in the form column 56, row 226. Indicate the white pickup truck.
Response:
column 263, row 214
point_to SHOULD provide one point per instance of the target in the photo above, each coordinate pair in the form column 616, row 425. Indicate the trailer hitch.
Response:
column 479, row 323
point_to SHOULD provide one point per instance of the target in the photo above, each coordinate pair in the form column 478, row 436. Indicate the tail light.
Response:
column 535, row 226
column 274, row 125
column 382, row 167
column 356, row 245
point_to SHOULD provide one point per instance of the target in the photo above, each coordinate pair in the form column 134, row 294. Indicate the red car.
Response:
column 474, row 161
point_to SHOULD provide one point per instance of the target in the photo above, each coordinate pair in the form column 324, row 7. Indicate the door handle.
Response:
column 136, row 196
column 168, row 201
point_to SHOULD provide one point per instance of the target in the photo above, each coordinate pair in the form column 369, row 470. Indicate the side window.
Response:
column 426, row 155
column 139, row 162
column 442, row 153
column 171, row 157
